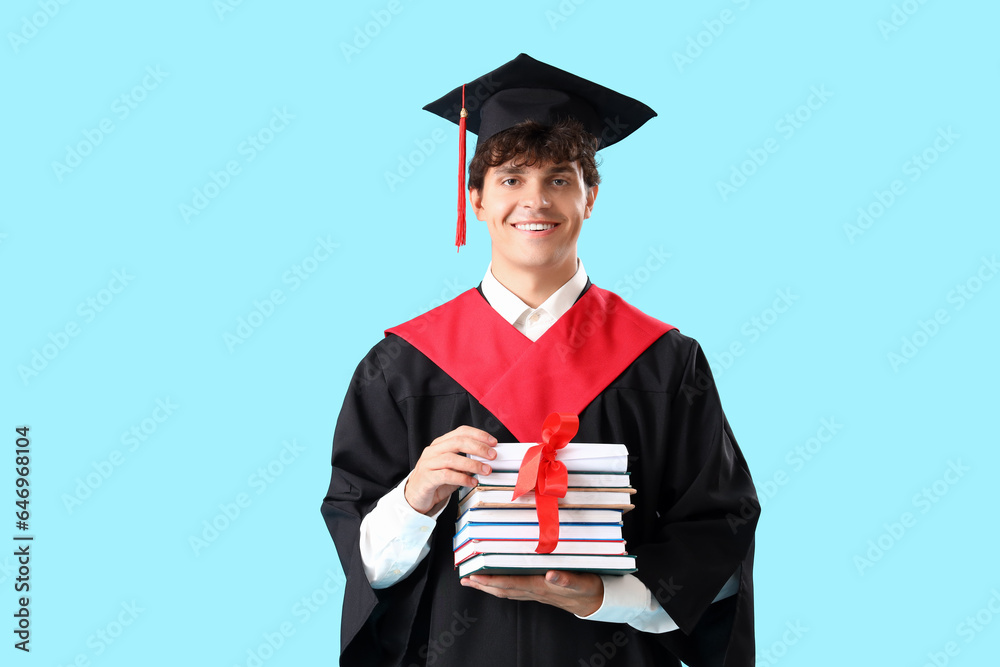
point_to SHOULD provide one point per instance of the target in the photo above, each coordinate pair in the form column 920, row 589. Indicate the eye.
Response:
column 560, row 181
column 508, row 181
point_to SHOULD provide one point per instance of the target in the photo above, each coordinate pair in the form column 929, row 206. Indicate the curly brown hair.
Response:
column 529, row 143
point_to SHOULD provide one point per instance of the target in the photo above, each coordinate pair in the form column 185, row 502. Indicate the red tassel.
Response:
column 460, row 231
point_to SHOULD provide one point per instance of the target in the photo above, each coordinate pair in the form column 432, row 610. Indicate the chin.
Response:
column 539, row 261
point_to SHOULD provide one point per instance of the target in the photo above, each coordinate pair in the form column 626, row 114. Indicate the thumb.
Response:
column 557, row 578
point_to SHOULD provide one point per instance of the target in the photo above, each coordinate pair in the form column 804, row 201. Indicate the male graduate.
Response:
column 536, row 336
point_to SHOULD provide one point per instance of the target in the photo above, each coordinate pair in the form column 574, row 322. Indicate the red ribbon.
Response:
column 542, row 473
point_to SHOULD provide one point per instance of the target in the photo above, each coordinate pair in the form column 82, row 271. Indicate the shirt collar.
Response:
column 510, row 307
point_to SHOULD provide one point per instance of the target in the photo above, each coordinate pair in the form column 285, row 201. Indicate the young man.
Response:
column 536, row 337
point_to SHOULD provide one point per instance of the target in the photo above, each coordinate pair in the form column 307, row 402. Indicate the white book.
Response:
column 577, row 456
column 466, row 490
column 593, row 547
column 542, row 563
column 529, row 531
column 486, row 496
column 591, row 479
column 529, row 515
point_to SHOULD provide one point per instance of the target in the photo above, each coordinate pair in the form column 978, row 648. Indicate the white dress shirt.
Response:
column 394, row 536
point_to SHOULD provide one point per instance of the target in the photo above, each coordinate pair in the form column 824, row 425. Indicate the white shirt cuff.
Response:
column 627, row 600
column 394, row 538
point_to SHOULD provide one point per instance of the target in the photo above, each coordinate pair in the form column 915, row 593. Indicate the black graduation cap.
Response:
column 528, row 89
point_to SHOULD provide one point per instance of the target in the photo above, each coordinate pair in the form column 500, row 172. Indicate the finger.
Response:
column 471, row 466
column 506, row 593
column 425, row 480
column 574, row 583
column 461, row 443
column 454, row 478
column 478, row 448
column 515, row 582
column 475, row 453
column 458, row 463
column 560, row 579
column 467, row 432
column 474, row 433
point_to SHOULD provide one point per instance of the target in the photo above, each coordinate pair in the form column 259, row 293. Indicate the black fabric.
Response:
column 693, row 525
column 528, row 89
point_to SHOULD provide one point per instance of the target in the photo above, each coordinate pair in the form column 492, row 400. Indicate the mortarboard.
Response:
column 528, row 89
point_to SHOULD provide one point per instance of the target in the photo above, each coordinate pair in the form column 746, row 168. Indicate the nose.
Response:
column 534, row 195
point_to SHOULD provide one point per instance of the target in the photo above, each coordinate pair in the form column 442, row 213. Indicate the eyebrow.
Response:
column 557, row 169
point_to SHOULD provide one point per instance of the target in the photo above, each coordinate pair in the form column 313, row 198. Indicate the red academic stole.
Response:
column 519, row 381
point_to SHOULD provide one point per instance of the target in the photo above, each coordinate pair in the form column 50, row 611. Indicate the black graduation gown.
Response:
column 692, row 527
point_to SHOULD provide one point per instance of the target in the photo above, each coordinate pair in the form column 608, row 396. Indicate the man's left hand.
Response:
column 580, row 593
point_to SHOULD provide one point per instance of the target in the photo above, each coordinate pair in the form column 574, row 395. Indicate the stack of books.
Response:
column 495, row 534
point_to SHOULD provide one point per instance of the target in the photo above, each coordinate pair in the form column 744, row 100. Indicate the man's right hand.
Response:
column 441, row 468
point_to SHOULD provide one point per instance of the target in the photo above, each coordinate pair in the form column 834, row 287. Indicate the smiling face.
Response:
column 534, row 214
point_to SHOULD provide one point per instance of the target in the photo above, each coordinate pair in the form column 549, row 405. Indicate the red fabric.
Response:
column 521, row 382
column 541, row 472
column 460, row 229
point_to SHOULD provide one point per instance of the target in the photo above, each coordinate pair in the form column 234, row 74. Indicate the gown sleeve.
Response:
column 370, row 456
column 703, row 528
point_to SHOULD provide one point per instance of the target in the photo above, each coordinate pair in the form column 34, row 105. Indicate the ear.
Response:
column 591, row 197
column 476, row 199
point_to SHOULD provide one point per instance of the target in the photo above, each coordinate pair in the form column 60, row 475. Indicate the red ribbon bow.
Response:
column 542, row 473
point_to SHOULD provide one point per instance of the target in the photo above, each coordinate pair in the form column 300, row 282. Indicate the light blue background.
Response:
column 356, row 116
